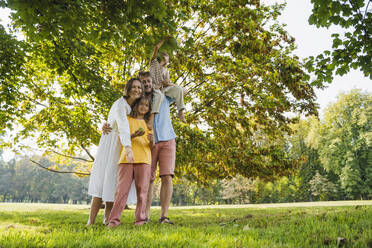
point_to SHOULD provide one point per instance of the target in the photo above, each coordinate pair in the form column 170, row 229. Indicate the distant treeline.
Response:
column 23, row 181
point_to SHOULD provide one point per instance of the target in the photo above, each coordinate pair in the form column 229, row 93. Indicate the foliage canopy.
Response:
column 233, row 56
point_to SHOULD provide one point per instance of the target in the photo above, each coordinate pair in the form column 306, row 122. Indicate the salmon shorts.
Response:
column 164, row 153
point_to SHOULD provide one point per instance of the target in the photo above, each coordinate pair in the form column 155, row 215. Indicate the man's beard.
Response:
column 148, row 93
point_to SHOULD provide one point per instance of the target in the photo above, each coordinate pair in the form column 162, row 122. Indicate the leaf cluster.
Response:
column 352, row 49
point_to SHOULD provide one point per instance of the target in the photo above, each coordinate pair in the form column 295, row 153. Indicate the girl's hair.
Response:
column 134, row 112
column 129, row 86
column 144, row 74
column 161, row 56
column 164, row 54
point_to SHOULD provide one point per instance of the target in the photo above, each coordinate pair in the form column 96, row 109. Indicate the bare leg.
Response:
column 149, row 199
column 108, row 208
column 94, row 208
column 181, row 115
column 166, row 191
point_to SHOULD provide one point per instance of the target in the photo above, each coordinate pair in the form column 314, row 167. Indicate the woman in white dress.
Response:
column 102, row 182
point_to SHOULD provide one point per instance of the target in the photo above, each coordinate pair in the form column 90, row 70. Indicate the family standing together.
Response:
column 137, row 138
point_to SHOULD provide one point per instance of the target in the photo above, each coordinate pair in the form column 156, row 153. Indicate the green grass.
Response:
column 47, row 225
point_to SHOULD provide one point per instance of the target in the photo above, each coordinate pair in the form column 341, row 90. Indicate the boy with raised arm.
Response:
column 162, row 85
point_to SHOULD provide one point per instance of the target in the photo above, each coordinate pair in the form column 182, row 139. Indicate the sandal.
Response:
column 165, row 220
column 140, row 223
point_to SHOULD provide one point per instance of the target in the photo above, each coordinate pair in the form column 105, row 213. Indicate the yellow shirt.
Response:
column 140, row 144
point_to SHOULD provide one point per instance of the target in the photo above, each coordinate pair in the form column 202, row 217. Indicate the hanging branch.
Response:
column 366, row 11
column 78, row 158
column 87, row 151
column 355, row 6
column 56, row 171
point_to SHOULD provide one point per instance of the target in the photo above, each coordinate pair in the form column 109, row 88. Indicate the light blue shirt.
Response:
column 163, row 129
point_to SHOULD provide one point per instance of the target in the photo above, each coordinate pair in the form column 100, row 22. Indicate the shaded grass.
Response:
column 217, row 227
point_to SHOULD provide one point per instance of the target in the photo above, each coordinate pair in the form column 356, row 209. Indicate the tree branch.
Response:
column 34, row 101
column 361, row 19
column 124, row 68
column 83, row 159
column 196, row 86
column 366, row 11
column 56, row 171
column 86, row 150
column 176, row 81
column 196, row 26
column 209, row 103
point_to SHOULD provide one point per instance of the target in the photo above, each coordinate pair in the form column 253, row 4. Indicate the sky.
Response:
column 310, row 41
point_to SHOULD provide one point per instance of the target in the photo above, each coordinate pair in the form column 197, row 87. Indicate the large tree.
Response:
column 352, row 49
column 302, row 147
column 233, row 56
column 345, row 143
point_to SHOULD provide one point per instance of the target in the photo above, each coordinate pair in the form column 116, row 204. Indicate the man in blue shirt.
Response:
column 163, row 152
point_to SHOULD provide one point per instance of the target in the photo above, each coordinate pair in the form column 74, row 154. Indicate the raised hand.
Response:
column 160, row 43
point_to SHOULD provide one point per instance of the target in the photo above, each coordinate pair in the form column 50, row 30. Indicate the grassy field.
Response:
column 324, row 224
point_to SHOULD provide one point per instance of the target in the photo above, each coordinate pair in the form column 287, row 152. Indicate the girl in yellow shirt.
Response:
column 140, row 169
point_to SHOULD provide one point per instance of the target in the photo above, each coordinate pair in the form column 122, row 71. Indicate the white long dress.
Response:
column 102, row 181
